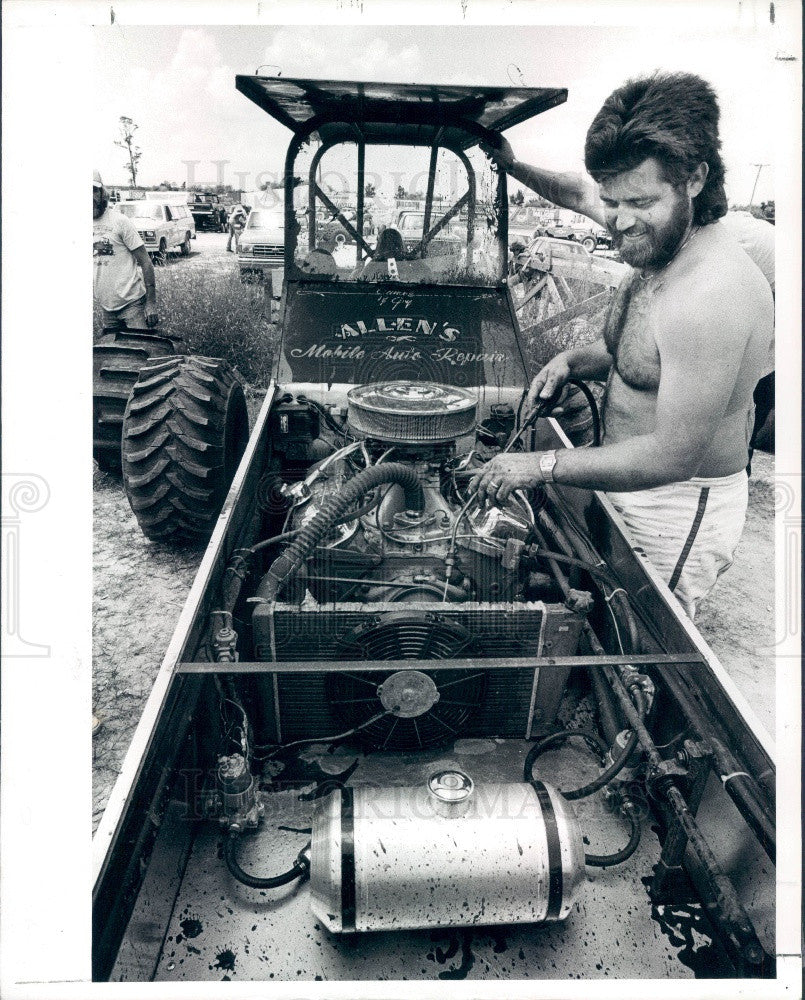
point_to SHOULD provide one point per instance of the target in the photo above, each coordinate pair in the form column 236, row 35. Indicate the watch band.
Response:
column 547, row 461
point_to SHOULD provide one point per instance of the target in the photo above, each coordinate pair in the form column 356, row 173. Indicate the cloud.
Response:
column 341, row 54
column 186, row 108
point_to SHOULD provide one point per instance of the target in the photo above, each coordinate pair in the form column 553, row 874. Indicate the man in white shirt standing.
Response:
column 123, row 281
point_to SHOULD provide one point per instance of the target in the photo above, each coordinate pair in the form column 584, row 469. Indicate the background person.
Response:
column 685, row 341
column 389, row 261
column 237, row 222
column 320, row 261
column 124, row 284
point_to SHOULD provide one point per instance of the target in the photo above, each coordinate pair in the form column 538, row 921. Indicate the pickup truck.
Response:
column 208, row 211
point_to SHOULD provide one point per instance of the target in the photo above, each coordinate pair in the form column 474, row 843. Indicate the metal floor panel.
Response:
column 220, row 929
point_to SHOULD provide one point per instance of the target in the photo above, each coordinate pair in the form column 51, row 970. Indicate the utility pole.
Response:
column 759, row 166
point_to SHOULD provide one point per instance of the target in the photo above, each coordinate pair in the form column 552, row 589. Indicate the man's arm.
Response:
column 591, row 361
column 142, row 258
column 700, row 358
column 568, row 190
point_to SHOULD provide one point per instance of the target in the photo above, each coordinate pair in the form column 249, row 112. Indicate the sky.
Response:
column 178, row 84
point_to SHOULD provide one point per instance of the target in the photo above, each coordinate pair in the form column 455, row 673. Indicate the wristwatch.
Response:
column 547, row 461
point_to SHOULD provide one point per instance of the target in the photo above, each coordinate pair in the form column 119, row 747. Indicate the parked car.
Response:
column 162, row 226
column 208, row 211
column 262, row 243
column 446, row 243
column 539, row 254
column 587, row 234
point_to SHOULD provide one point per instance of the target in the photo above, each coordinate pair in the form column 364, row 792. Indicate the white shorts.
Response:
column 688, row 530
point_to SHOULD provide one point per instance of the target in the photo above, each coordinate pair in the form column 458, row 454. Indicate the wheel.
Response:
column 185, row 247
column 117, row 359
column 184, row 432
column 161, row 256
column 589, row 243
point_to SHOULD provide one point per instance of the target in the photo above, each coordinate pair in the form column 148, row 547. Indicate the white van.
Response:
column 162, row 226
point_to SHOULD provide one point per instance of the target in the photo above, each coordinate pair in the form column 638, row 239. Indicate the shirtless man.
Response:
column 685, row 341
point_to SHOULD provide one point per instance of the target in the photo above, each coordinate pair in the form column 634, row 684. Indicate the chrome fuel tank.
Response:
column 444, row 854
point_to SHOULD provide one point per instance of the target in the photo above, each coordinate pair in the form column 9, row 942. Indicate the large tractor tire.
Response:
column 184, row 432
column 116, row 362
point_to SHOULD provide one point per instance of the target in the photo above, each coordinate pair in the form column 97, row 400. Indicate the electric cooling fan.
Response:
column 424, row 709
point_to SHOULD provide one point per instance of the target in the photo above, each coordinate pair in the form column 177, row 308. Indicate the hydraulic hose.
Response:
column 555, row 739
column 573, row 543
column 544, row 407
column 606, row 708
column 333, row 508
column 618, row 857
column 299, row 869
column 286, row 536
column 627, row 806
column 587, row 393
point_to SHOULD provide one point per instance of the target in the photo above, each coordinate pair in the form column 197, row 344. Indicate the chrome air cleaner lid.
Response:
column 404, row 412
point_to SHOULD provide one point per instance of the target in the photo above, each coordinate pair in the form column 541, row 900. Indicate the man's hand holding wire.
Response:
column 548, row 382
column 504, row 474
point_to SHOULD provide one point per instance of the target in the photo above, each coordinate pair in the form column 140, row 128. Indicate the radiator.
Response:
column 511, row 702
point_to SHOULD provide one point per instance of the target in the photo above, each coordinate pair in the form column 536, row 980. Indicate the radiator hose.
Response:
column 288, row 563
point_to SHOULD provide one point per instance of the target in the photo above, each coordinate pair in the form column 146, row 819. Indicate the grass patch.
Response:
column 217, row 315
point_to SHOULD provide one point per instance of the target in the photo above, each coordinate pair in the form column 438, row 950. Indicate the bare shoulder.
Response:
column 718, row 287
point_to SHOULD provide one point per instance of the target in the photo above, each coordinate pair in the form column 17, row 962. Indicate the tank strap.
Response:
column 555, row 885
column 347, row 860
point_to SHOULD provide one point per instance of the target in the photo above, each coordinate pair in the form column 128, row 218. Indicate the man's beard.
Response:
column 654, row 247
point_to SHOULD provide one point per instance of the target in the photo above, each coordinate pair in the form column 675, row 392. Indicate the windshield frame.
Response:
column 473, row 134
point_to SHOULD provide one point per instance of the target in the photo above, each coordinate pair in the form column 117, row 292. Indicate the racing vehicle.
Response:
column 399, row 734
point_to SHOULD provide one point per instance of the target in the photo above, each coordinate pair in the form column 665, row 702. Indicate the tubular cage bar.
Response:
column 315, row 193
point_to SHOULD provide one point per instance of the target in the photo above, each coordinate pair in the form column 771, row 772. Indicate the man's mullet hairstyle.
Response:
column 670, row 116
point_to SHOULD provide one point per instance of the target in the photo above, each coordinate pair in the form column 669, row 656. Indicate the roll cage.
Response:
column 452, row 118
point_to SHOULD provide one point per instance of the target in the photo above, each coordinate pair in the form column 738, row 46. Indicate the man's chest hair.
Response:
column 629, row 334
